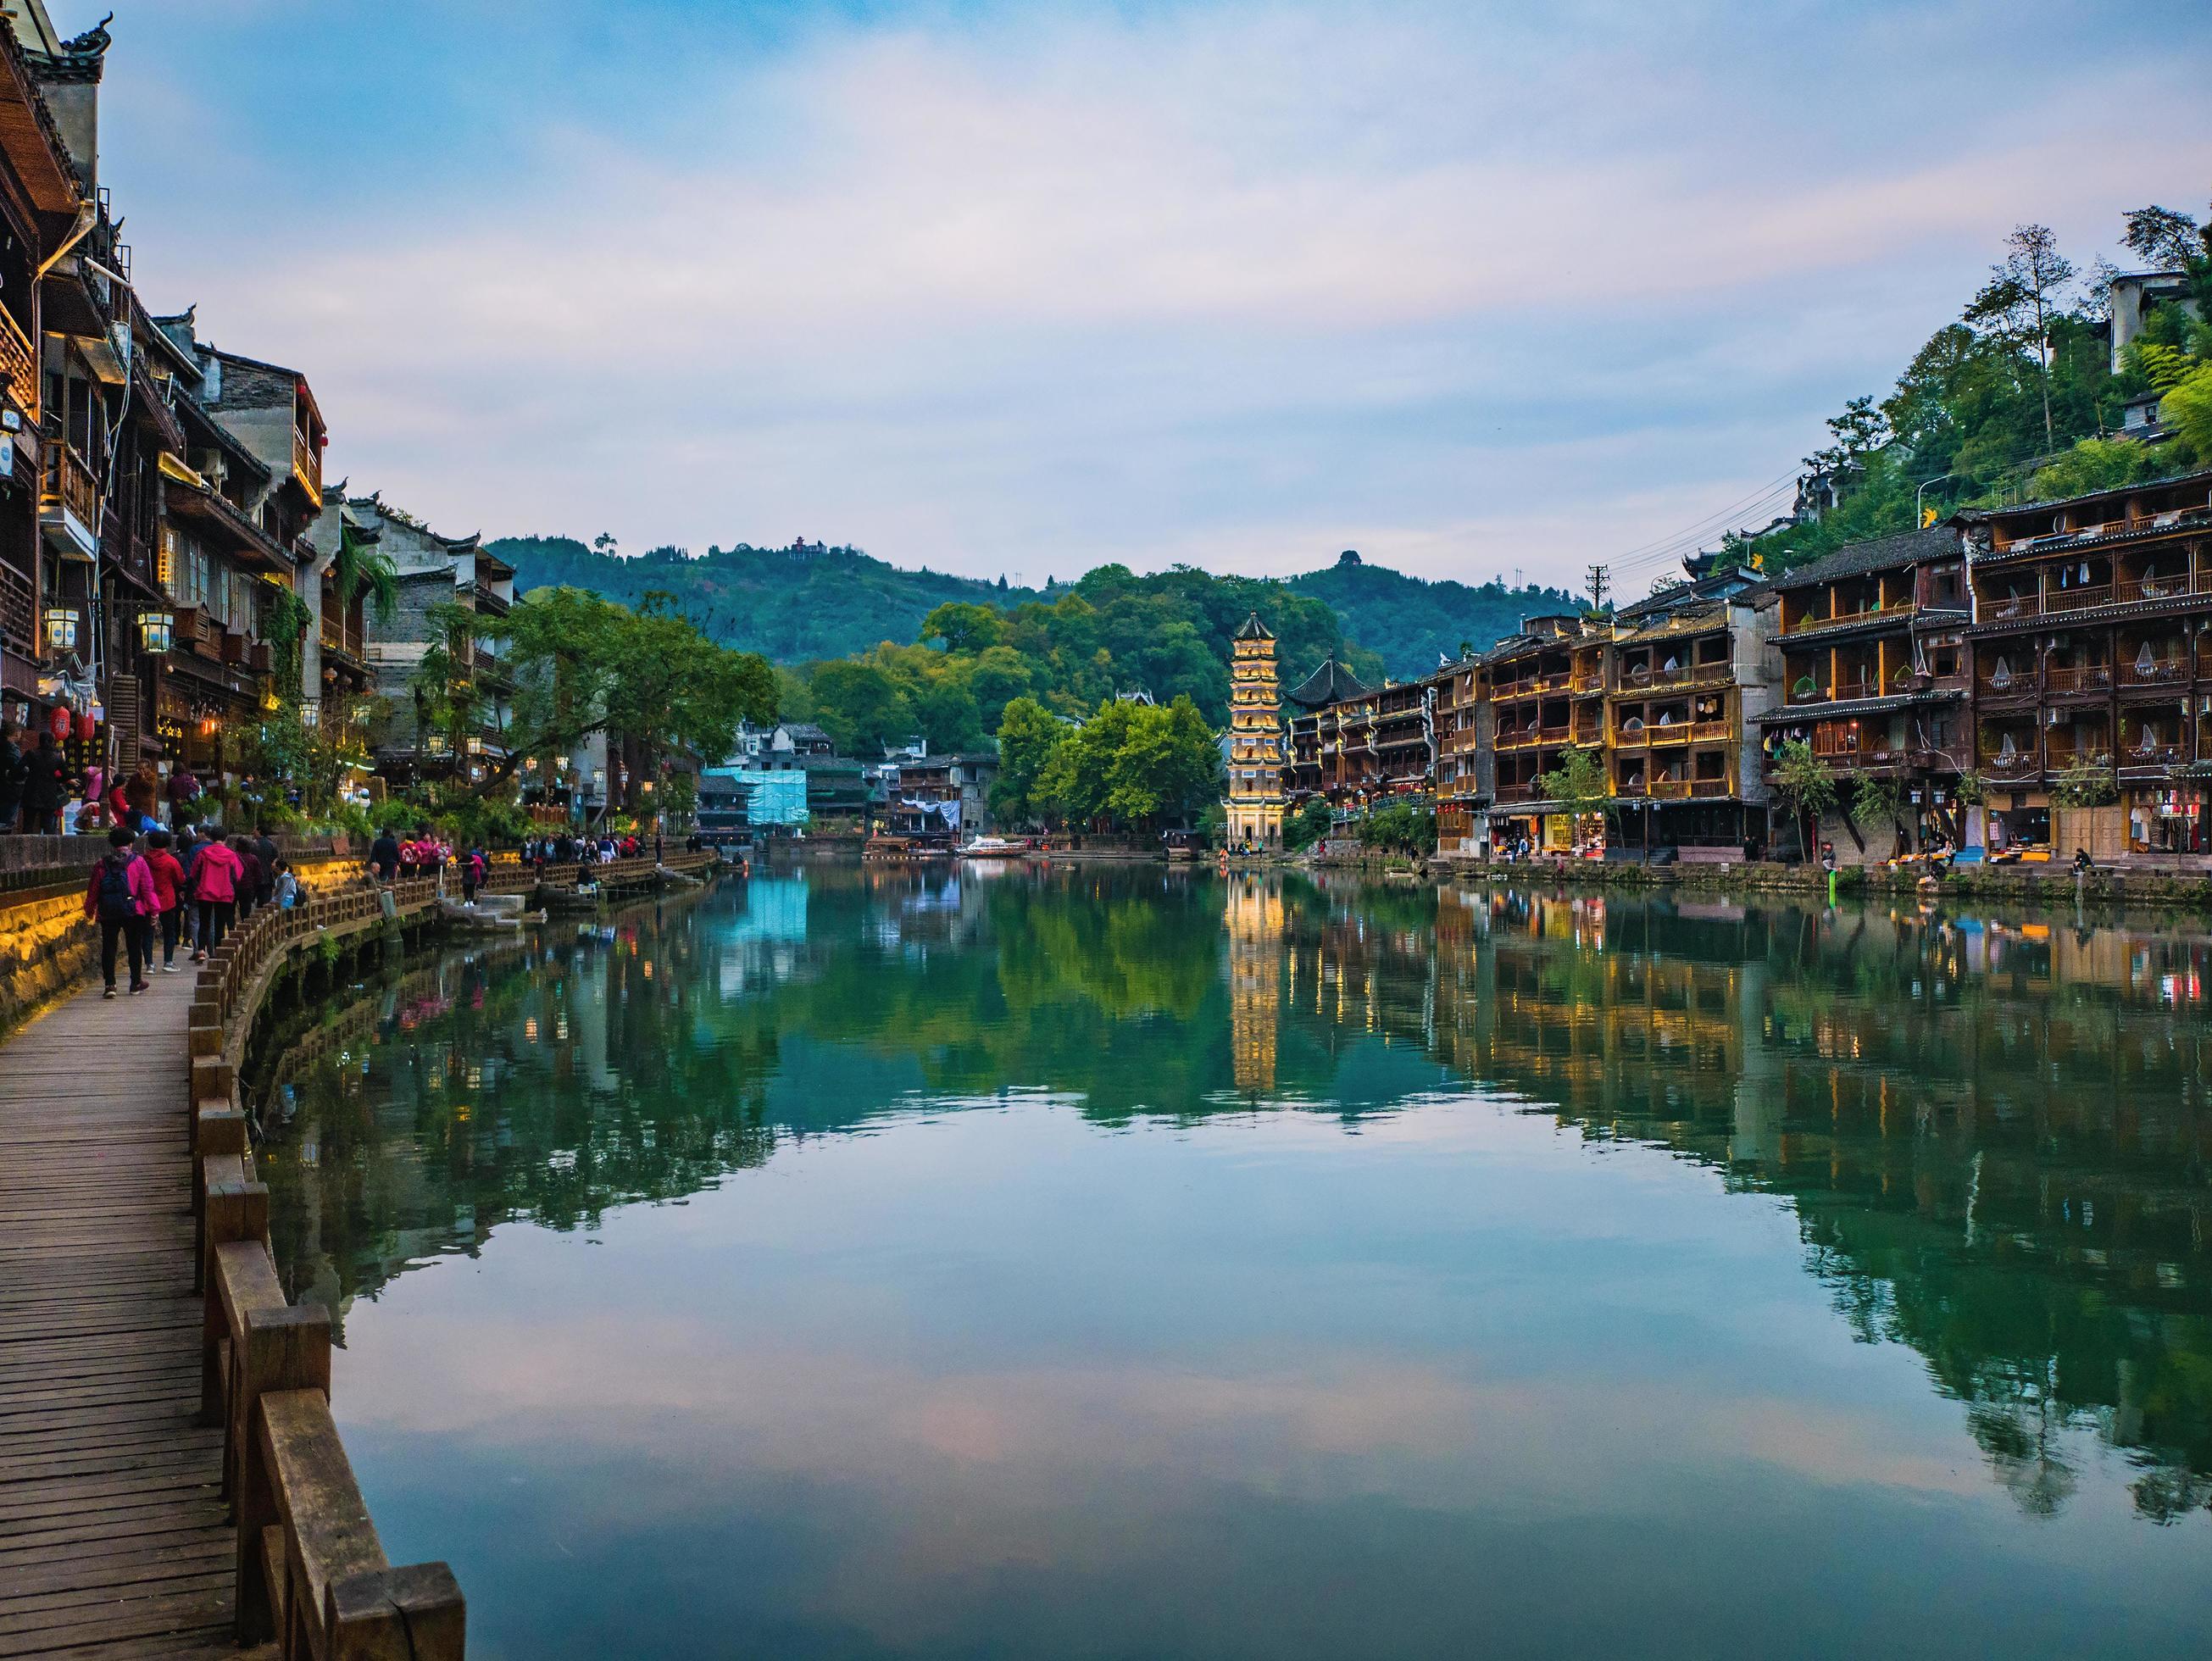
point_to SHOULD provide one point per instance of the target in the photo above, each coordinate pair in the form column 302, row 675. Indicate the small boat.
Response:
column 994, row 848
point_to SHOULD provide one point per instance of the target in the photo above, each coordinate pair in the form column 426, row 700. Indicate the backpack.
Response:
column 116, row 905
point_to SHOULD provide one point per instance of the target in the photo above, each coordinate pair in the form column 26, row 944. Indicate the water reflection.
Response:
column 1991, row 1135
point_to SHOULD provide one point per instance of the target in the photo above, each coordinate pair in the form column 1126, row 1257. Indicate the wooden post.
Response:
column 283, row 1348
column 411, row 1613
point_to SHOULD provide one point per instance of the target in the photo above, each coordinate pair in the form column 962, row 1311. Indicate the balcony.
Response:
column 1515, row 792
column 1591, row 682
column 2140, row 753
column 2078, row 599
column 2160, row 671
column 1702, row 731
column 69, row 499
column 2008, row 683
column 307, row 466
column 1712, row 674
column 2019, row 764
column 2011, row 608
column 2078, row 678
column 2134, row 589
column 1667, row 732
column 1667, row 789
column 1625, row 739
column 1710, row 787
column 1865, row 687
column 1844, row 619
column 19, row 610
column 18, row 365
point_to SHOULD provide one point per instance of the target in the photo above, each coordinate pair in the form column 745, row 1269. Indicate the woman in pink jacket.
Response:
column 119, row 898
column 216, row 873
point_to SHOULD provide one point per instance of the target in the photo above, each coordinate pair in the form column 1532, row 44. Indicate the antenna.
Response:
column 1601, row 577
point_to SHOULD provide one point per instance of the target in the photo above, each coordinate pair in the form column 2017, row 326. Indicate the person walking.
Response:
column 13, row 771
column 264, row 850
column 119, row 898
column 168, row 875
column 141, row 791
column 216, row 876
column 287, row 893
column 251, row 875
column 46, row 787
column 384, row 857
column 181, row 791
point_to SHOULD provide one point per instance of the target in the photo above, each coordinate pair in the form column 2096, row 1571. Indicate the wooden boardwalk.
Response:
column 114, row 1540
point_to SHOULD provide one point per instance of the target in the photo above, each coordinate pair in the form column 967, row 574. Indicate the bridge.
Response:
column 171, row 1482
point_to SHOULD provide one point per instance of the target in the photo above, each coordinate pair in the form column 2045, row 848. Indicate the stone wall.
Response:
column 46, row 948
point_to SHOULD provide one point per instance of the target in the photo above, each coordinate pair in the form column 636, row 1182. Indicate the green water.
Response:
column 1132, row 1264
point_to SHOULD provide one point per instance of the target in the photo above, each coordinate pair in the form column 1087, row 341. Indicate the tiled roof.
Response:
column 1330, row 684
column 1255, row 630
column 1882, row 554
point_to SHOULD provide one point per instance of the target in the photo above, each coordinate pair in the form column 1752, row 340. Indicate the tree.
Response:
column 2087, row 781
column 1028, row 734
column 360, row 564
column 1579, row 784
column 2024, row 292
column 861, row 707
column 1806, row 786
column 963, row 627
column 1308, row 823
column 1166, row 766
column 1877, row 800
column 2162, row 238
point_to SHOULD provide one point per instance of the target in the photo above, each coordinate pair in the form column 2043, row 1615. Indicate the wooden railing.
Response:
column 1865, row 614
column 1706, row 731
column 1709, row 787
column 1676, row 732
column 2015, row 683
column 18, row 365
column 309, row 1570
column 2160, row 672
column 70, row 484
column 19, row 610
column 2083, row 677
column 2018, row 764
column 307, row 464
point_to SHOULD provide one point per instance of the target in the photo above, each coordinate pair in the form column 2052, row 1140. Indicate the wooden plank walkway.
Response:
column 114, row 1537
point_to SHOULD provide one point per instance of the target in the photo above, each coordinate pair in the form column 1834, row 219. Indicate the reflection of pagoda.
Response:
column 1255, row 742
column 1254, row 920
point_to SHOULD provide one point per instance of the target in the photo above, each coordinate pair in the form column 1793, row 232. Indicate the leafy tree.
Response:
column 1308, row 823
column 1579, row 784
column 2086, row 783
column 2162, row 238
column 1028, row 735
column 859, row 707
column 2023, row 293
column 1877, row 801
column 1806, row 786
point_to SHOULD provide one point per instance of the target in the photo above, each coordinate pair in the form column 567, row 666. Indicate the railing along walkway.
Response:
column 171, row 1480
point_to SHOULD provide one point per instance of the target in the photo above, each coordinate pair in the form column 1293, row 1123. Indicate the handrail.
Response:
column 309, row 1570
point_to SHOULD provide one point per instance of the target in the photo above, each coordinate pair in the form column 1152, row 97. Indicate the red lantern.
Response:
column 86, row 727
column 58, row 723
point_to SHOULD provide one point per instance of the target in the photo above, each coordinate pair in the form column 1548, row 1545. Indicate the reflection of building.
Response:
column 1255, row 741
column 1255, row 920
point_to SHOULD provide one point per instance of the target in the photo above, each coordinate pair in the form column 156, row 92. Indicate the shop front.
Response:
column 2168, row 819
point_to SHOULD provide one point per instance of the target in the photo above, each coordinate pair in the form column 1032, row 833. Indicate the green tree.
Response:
column 1308, row 823
column 2087, row 781
column 1579, row 784
column 1028, row 734
column 859, row 707
column 1806, row 788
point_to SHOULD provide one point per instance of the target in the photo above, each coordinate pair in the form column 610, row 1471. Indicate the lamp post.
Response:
column 156, row 630
column 61, row 629
column 1923, row 491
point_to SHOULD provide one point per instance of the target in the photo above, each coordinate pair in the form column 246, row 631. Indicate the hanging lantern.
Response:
column 156, row 630
column 61, row 629
column 58, row 723
column 86, row 727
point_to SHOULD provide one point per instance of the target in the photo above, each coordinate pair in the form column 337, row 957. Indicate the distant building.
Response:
column 934, row 795
column 2134, row 296
column 1256, row 803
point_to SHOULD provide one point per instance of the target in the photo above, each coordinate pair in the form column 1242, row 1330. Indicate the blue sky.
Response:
column 1473, row 288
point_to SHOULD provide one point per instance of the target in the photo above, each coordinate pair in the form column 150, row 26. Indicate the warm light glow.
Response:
column 155, row 630
column 61, row 629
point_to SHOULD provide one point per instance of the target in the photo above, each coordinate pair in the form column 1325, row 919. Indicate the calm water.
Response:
column 1131, row 1263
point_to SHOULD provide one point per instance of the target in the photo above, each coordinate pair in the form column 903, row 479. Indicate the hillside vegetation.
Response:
column 2017, row 398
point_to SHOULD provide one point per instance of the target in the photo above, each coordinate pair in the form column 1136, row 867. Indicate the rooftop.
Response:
column 1330, row 684
column 1881, row 554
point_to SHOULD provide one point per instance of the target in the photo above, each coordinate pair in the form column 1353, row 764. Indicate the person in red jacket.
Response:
column 119, row 898
column 215, row 876
column 169, row 893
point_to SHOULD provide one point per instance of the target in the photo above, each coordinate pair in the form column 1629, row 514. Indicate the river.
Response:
column 1132, row 1262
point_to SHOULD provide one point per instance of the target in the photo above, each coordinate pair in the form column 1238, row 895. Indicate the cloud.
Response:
column 1230, row 284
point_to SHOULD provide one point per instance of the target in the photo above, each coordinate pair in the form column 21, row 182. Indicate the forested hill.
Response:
column 808, row 602
column 1412, row 621
column 791, row 605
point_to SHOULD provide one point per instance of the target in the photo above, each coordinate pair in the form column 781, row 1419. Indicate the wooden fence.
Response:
column 311, row 1572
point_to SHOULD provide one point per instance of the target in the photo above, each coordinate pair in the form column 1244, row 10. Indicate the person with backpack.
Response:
column 287, row 893
column 217, row 875
column 169, row 873
column 119, row 898
column 251, row 875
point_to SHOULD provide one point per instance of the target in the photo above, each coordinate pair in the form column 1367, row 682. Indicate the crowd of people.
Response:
column 179, row 890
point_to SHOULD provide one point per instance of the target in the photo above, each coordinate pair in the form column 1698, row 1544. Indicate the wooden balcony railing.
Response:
column 1517, row 793
column 18, row 365
column 1704, row 730
column 2012, row 684
column 19, row 610
column 2077, row 600
column 2010, row 608
column 2160, row 671
column 2081, row 678
column 2136, row 753
column 69, row 485
column 307, row 466
column 1865, row 687
column 1666, row 788
column 2019, row 764
column 1843, row 619
column 1625, row 739
column 1710, row 787
column 1669, row 732
column 2130, row 589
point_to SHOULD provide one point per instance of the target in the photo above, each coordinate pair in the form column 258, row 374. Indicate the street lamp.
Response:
column 1917, row 524
column 156, row 630
column 61, row 629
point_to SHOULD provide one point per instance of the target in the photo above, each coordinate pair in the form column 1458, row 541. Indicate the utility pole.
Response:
column 1600, row 577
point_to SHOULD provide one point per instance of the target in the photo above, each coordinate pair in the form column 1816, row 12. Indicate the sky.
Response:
column 1475, row 288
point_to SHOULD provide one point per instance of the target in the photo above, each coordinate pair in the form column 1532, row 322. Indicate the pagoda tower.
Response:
column 1256, row 804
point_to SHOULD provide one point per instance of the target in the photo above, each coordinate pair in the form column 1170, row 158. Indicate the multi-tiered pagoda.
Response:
column 1255, row 804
